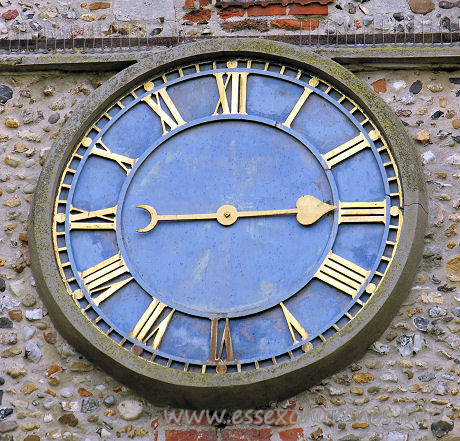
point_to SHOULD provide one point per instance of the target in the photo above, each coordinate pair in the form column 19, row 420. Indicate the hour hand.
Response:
column 309, row 210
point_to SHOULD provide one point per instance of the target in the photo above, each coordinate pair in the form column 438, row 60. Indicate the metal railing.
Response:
column 91, row 38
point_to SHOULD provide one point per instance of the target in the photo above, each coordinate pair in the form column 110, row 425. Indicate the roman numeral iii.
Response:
column 350, row 212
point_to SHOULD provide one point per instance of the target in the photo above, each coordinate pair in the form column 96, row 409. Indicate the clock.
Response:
column 226, row 223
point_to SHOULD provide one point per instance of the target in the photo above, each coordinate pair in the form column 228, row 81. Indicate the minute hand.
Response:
column 309, row 210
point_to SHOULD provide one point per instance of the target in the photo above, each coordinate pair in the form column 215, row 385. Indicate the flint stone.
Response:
column 6, row 93
column 416, row 87
column 421, row 323
column 397, row 436
column 8, row 426
column 33, row 351
column 89, row 405
column 436, row 311
column 427, row 377
column 441, row 428
column 5, row 412
column 409, row 344
column 5, row 323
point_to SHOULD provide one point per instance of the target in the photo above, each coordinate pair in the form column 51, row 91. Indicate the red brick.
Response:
column 291, row 435
column 259, row 11
column 246, row 435
column 189, row 4
column 308, row 10
column 198, row 15
column 380, row 86
column 204, row 3
column 291, row 24
column 11, row 14
column 190, row 435
column 231, row 12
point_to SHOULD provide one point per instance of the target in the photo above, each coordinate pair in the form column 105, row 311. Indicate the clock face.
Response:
column 225, row 216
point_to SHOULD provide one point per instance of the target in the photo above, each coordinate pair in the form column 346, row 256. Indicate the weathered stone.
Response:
column 130, row 409
column 409, row 344
column 89, row 405
column 416, row 87
column 15, row 315
column 109, row 400
column 29, row 388
column 423, row 136
column 436, row 311
column 350, row 438
column 33, row 351
column 6, row 93
column 54, row 118
column 436, row 87
column 68, row 419
column 442, row 134
column 248, row 23
column 380, row 348
column 427, row 377
column 49, row 90
column 428, row 157
column 78, row 366
column 9, row 338
column 11, row 122
column 34, row 314
column 421, row 6
column 28, row 332
column 363, row 377
column 5, row 323
column 397, row 436
column 29, row 136
column 10, row 14
column 5, row 412
column 453, row 268
column 441, row 428
column 379, row 86
column 8, row 426
column 11, row 352
column 421, row 323
column 99, row 5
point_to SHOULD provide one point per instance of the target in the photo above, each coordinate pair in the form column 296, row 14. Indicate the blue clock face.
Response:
column 227, row 216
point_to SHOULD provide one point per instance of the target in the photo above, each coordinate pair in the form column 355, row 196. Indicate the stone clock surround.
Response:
column 224, row 391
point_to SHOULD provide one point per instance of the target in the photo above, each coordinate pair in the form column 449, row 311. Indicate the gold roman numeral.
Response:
column 342, row 274
column 226, row 340
column 125, row 162
column 238, row 91
column 348, row 148
column 362, row 211
column 294, row 324
column 98, row 277
column 301, row 101
column 105, row 219
column 155, row 105
column 147, row 326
